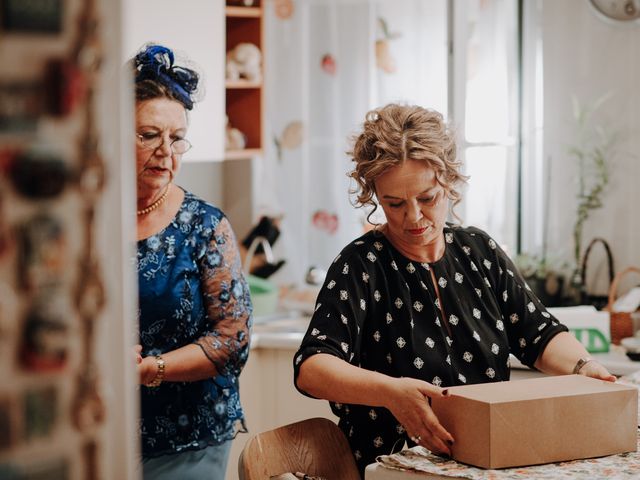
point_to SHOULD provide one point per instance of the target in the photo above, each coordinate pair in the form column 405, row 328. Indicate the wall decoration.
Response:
column 20, row 106
column 328, row 64
column 8, row 325
column 291, row 138
column 7, row 424
column 45, row 338
column 40, row 412
column 325, row 221
column 66, row 87
column 42, row 252
column 6, row 238
column 39, row 174
column 384, row 59
column 88, row 409
column 283, row 8
column 32, row 16
column 49, row 216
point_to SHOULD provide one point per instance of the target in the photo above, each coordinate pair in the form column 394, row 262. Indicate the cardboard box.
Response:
column 541, row 420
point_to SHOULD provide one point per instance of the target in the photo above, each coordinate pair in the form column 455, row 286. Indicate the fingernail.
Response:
column 445, row 392
column 450, row 442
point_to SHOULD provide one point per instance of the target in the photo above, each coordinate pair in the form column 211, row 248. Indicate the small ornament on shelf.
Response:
column 244, row 61
column 235, row 139
column 241, row 3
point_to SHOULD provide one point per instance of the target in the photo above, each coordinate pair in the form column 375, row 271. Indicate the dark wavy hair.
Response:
column 393, row 134
column 157, row 76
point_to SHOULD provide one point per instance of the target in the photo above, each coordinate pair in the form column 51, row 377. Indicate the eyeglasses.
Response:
column 152, row 141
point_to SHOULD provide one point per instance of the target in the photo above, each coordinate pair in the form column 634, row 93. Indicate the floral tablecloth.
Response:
column 622, row 466
column 419, row 459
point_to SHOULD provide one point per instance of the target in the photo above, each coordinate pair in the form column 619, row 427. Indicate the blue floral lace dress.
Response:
column 192, row 291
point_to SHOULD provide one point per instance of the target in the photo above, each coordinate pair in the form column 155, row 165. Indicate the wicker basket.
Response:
column 586, row 298
column 620, row 323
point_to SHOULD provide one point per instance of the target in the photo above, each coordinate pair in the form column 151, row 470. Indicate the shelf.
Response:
column 230, row 84
column 242, row 154
column 243, row 12
column 244, row 101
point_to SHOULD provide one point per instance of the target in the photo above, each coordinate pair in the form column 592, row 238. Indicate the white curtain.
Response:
column 321, row 78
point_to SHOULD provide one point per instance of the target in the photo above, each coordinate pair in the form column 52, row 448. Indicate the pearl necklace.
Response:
column 155, row 204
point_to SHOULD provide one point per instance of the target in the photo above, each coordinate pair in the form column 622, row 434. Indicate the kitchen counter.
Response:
column 285, row 331
column 279, row 331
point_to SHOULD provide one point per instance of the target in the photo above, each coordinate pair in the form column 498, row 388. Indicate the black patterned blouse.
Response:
column 380, row 311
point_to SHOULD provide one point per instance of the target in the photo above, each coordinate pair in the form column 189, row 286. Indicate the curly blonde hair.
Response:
column 395, row 133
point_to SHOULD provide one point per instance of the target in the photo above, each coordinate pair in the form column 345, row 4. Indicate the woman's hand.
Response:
column 408, row 401
column 561, row 354
column 147, row 366
column 137, row 351
column 594, row 370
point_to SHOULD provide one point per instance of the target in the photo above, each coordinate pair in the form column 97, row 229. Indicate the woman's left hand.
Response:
column 137, row 351
column 594, row 370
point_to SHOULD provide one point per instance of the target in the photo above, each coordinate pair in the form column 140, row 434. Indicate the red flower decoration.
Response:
column 328, row 64
column 325, row 221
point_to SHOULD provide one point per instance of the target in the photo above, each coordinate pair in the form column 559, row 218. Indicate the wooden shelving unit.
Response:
column 244, row 100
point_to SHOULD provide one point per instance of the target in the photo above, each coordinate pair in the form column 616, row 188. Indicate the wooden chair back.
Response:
column 316, row 447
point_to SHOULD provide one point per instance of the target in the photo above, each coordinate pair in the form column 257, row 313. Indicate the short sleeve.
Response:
column 529, row 325
column 341, row 308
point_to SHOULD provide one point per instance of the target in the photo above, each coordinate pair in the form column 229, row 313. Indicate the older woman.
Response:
column 195, row 309
column 418, row 304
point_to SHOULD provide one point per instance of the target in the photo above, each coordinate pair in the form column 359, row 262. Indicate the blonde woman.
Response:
column 418, row 304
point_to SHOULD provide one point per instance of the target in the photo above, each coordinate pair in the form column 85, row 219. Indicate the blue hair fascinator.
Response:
column 155, row 63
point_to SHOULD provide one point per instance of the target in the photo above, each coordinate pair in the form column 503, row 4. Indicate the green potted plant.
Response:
column 545, row 276
column 592, row 151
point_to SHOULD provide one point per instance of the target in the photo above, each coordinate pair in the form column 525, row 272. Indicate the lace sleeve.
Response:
column 227, row 303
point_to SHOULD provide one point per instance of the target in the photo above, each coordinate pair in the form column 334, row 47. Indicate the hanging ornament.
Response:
column 291, row 138
column 325, row 221
column 42, row 252
column 40, row 405
column 6, row 238
column 45, row 340
column 328, row 64
column 283, row 9
column 384, row 59
column 66, row 87
column 37, row 174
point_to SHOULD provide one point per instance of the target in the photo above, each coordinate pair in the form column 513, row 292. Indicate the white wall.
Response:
column 195, row 29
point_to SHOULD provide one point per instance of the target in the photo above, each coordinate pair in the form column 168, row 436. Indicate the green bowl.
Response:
column 264, row 295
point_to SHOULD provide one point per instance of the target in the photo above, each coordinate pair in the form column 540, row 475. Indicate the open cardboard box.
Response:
column 541, row 420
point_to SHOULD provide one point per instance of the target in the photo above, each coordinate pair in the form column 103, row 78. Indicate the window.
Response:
column 484, row 78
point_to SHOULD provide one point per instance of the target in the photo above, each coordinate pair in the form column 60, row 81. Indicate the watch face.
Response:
column 619, row 10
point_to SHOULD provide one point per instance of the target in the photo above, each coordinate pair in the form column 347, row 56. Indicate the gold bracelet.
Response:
column 157, row 380
column 581, row 363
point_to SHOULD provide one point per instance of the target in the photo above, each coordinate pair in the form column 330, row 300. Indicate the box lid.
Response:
column 536, row 388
